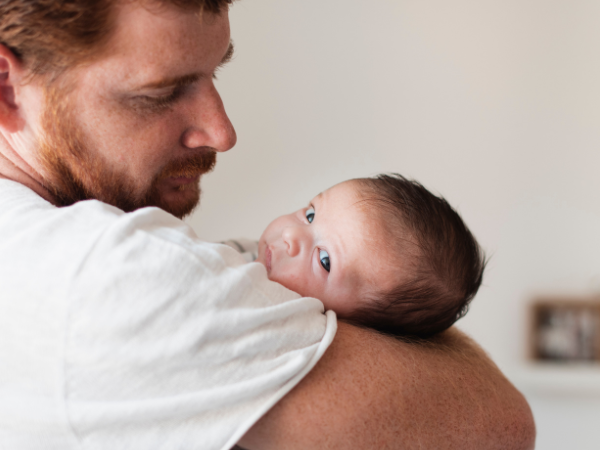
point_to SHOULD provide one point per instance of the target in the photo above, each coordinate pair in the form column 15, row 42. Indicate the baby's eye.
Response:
column 310, row 214
column 324, row 258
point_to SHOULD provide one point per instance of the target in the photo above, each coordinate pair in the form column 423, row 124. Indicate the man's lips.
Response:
column 185, row 180
column 182, row 180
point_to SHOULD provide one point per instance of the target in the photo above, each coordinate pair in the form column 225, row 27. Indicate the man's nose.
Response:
column 210, row 125
column 295, row 239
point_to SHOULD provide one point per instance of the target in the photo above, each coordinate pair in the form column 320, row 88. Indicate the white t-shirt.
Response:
column 124, row 331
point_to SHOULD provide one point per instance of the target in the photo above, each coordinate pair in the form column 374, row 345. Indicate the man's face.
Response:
column 139, row 125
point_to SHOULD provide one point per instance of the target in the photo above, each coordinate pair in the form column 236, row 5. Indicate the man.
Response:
column 118, row 328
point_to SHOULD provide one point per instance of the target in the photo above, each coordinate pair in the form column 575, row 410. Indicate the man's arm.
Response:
column 375, row 392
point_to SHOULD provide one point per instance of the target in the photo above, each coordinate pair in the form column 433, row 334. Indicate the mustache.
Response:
column 190, row 167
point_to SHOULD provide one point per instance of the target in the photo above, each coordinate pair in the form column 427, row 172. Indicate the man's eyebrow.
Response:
column 181, row 81
column 186, row 80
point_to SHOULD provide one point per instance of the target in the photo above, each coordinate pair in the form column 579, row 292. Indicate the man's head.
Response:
column 114, row 100
column 382, row 252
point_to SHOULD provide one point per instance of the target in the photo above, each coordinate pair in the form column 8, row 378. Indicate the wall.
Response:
column 494, row 104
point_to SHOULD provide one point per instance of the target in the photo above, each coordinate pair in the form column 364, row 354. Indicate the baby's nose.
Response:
column 292, row 236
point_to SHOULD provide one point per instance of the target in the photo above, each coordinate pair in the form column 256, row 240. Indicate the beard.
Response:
column 74, row 172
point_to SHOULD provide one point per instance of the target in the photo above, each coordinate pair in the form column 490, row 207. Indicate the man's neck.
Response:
column 13, row 167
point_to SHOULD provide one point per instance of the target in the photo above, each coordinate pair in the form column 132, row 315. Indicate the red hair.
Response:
column 49, row 36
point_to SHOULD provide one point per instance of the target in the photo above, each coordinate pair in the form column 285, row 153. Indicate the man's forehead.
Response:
column 184, row 79
column 151, row 44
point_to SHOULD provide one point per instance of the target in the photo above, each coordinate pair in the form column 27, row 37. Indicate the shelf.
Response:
column 559, row 379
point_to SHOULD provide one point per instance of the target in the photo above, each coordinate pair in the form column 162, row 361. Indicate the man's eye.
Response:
column 160, row 101
column 310, row 214
column 324, row 258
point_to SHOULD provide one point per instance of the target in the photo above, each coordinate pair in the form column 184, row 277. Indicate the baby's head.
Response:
column 382, row 252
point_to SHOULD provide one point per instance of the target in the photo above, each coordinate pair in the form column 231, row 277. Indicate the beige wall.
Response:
column 494, row 104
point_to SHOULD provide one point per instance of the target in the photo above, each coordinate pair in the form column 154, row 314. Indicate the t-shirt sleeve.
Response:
column 174, row 343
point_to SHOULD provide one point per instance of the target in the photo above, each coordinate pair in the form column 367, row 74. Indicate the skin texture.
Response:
column 374, row 392
column 368, row 391
column 342, row 228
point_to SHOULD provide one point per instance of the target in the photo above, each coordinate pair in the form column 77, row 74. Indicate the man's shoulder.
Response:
column 20, row 206
column 88, row 242
column 22, row 211
column 94, row 248
column 138, row 321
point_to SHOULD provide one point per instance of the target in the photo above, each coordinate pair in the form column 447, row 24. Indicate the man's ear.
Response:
column 11, row 74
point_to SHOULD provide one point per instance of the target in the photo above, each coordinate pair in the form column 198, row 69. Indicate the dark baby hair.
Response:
column 446, row 263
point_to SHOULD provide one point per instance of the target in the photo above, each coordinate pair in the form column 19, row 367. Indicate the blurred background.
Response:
column 493, row 104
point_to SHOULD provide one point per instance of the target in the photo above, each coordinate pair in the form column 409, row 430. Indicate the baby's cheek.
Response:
column 344, row 304
column 288, row 279
column 293, row 282
column 326, row 302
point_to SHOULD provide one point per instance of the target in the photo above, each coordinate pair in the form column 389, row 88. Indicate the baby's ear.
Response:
column 11, row 75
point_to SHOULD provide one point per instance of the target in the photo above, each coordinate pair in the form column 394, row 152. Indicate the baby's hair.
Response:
column 445, row 262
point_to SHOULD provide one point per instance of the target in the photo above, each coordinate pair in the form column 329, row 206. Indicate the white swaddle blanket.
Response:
column 124, row 331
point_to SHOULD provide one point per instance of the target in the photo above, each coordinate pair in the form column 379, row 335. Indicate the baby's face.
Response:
column 332, row 249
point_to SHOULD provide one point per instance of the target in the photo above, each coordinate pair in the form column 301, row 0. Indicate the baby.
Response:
column 381, row 252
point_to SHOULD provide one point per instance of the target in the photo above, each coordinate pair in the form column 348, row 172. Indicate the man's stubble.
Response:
column 73, row 171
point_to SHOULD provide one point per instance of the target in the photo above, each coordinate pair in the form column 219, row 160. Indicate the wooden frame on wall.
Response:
column 565, row 330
